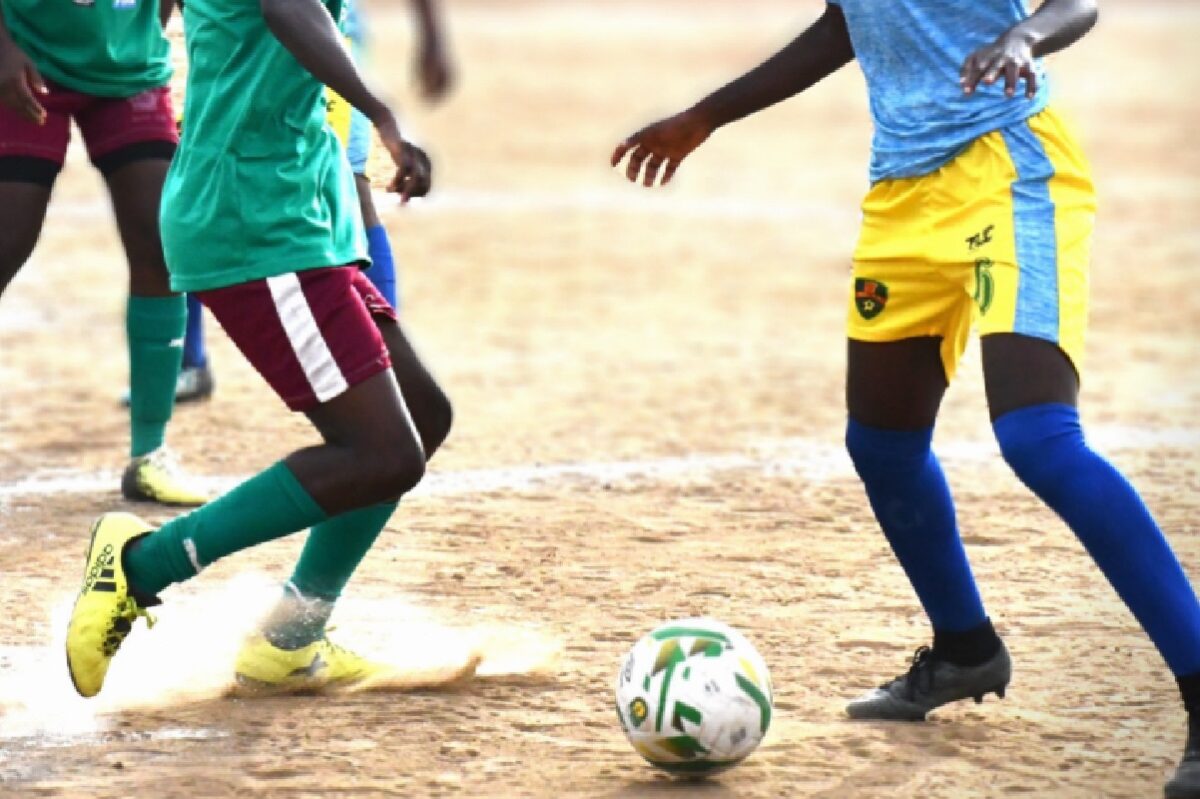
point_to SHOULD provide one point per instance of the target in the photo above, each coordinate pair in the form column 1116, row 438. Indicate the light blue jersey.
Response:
column 911, row 52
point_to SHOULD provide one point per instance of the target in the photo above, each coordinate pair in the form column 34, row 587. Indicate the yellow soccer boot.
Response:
column 263, row 667
column 156, row 477
column 104, row 613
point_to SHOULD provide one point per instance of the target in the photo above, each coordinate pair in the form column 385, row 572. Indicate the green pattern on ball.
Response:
column 760, row 699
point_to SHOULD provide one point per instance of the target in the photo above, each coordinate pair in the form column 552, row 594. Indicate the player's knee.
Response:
column 877, row 452
column 397, row 470
column 439, row 418
column 1037, row 441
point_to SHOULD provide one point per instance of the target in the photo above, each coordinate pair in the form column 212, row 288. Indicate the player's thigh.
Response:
column 895, row 385
column 31, row 156
column 1037, row 280
column 131, row 141
column 366, row 202
column 431, row 409
column 1021, row 371
column 24, row 214
column 136, row 191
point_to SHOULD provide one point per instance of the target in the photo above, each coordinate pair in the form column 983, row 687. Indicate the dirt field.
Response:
column 649, row 415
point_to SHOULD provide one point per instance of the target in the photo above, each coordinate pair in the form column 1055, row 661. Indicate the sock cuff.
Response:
column 864, row 439
column 296, row 492
column 1189, row 690
column 1048, row 416
column 156, row 317
column 378, row 235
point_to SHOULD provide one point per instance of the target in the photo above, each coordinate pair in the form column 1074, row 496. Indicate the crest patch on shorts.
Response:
column 870, row 297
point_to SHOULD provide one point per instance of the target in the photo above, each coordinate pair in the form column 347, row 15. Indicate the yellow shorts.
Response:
column 1000, row 236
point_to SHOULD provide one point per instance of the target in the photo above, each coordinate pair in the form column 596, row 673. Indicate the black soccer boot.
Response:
column 1186, row 782
column 930, row 683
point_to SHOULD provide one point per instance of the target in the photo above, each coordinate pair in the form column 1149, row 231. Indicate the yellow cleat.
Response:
column 104, row 613
column 263, row 667
column 156, row 477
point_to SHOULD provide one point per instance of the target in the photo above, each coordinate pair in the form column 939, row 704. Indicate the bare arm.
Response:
column 20, row 81
column 818, row 52
column 1056, row 25
column 305, row 28
column 434, row 69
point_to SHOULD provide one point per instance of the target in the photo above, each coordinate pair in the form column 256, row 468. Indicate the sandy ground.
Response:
column 649, row 410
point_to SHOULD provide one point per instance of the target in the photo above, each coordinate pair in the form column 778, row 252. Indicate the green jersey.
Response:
column 105, row 48
column 260, row 186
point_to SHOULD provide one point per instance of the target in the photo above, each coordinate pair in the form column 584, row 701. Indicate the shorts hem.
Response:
column 29, row 169
column 309, row 401
column 153, row 149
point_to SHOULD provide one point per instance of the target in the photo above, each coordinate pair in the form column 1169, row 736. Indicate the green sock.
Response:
column 332, row 553
column 335, row 548
column 155, row 327
column 269, row 505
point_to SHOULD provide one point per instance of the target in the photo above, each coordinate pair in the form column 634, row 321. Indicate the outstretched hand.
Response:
column 414, row 171
column 661, row 147
column 20, row 83
column 1009, row 57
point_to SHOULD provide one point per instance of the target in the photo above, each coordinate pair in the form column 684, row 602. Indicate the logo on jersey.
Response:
column 85, row 2
column 870, row 297
column 981, row 238
column 985, row 284
column 124, row 5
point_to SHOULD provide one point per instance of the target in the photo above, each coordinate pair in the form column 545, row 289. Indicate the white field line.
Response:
column 809, row 459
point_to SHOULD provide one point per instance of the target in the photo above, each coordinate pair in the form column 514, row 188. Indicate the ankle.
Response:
column 972, row 647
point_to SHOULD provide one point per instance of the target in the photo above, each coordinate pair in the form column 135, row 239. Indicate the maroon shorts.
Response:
column 116, row 132
column 310, row 334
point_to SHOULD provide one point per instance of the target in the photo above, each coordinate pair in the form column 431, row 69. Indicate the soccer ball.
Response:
column 694, row 697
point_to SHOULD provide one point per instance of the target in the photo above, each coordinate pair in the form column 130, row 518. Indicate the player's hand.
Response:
column 662, row 147
column 435, row 73
column 20, row 83
column 1010, row 57
column 414, row 171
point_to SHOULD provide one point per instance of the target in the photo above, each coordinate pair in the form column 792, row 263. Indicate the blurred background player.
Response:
column 106, row 67
column 260, row 170
column 981, row 209
column 435, row 76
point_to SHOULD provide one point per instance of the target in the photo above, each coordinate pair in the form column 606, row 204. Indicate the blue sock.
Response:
column 383, row 267
column 1044, row 444
column 194, row 351
column 912, row 502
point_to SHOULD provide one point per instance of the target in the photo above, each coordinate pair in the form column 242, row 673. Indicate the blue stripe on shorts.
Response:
column 358, row 144
column 1036, row 238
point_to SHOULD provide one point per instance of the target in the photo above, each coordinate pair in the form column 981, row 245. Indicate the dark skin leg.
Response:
column 24, row 207
column 896, row 385
column 136, row 191
column 370, row 216
column 1019, row 371
column 378, row 435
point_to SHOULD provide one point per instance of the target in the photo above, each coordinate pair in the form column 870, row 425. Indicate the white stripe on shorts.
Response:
column 322, row 371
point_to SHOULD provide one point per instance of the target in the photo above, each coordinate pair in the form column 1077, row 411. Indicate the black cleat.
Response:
column 1186, row 782
column 930, row 683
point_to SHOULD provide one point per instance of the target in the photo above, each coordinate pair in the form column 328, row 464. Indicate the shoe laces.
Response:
column 125, row 614
column 165, row 459
column 919, row 677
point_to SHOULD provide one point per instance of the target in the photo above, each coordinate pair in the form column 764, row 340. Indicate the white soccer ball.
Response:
column 694, row 697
